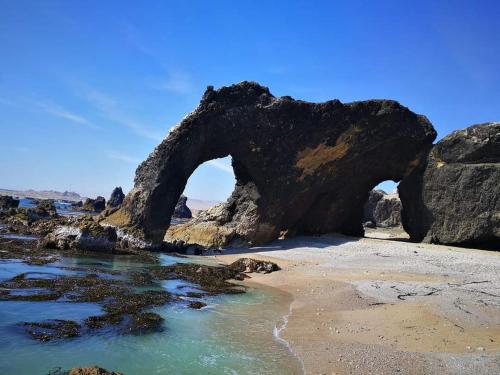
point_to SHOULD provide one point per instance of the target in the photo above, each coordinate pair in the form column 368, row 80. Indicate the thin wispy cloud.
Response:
column 177, row 82
column 51, row 108
column 123, row 157
column 109, row 107
column 58, row 111
column 219, row 164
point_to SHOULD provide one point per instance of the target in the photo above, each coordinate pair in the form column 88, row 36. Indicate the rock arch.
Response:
column 302, row 167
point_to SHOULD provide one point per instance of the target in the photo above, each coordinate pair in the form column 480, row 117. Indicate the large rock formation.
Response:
column 94, row 205
column 382, row 209
column 454, row 195
column 116, row 197
column 300, row 167
column 181, row 210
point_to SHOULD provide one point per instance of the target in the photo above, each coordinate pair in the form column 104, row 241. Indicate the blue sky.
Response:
column 88, row 88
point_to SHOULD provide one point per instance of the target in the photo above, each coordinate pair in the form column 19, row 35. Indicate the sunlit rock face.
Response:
column 453, row 196
column 300, row 168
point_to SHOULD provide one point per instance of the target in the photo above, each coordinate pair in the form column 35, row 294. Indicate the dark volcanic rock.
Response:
column 249, row 265
column 453, row 197
column 300, row 167
column 382, row 210
column 196, row 305
column 77, row 205
column 7, row 202
column 46, row 208
column 95, row 205
column 116, row 198
column 181, row 210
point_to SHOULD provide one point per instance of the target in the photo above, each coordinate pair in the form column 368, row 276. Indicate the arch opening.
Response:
column 382, row 212
column 211, row 183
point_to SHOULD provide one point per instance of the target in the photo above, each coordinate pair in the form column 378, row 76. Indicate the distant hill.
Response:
column 44, row 194
column 196, row 205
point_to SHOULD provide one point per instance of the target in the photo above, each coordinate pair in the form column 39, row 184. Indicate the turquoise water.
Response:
column 232, row 335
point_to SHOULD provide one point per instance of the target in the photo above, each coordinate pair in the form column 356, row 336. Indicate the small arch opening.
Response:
column 382, row 213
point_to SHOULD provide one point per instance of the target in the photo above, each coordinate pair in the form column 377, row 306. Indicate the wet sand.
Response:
column 372, row 306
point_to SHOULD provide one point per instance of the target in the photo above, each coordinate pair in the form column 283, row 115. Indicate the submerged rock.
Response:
column 181, row 210
column 93, row 370
column 94, row 205
column 196, row 305
column 116, row 198
column 453, row 197
column 7, row 202
column 52, row 329
column 300, row 167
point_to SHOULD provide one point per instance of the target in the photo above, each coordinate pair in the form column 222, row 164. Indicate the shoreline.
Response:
column 378, row 306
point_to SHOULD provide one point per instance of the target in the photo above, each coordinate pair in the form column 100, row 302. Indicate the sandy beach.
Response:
column 375, row 306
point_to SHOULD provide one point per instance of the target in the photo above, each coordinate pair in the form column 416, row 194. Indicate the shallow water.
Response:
column 62, row 208
column 232, row 335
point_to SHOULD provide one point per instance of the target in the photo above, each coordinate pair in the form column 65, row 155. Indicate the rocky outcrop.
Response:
column 453, row 196
column 7, row 202
column 85, row 235
column 116, row 198
column 46, row 208
column 94, row 205
column 181, row 210
column 382, row 210
column 300, row 167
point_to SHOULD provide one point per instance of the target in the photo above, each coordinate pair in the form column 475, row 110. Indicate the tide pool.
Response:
column 232, row 335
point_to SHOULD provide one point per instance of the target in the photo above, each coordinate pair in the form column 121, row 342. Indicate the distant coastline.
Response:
column 44, row 194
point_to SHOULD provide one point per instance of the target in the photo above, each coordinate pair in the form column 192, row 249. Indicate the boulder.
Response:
column 453, row 195
column 94, row 205
column 85, row 235
column 181, row 210
column 116, row 198
column 249, row 265
column 382, row 210
column 300, row 167
column 77, row 205
column 369, row 209
column 7, row 202
column 46, row 208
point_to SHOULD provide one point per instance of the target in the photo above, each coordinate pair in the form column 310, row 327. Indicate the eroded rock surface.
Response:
column 453, row 197
column 382, row 210
column 181, row 210
column 94, row 205
column 116, row 197
column 86, row 235
column 300, row 167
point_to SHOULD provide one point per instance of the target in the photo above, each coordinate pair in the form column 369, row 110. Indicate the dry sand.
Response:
column 371, row 306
